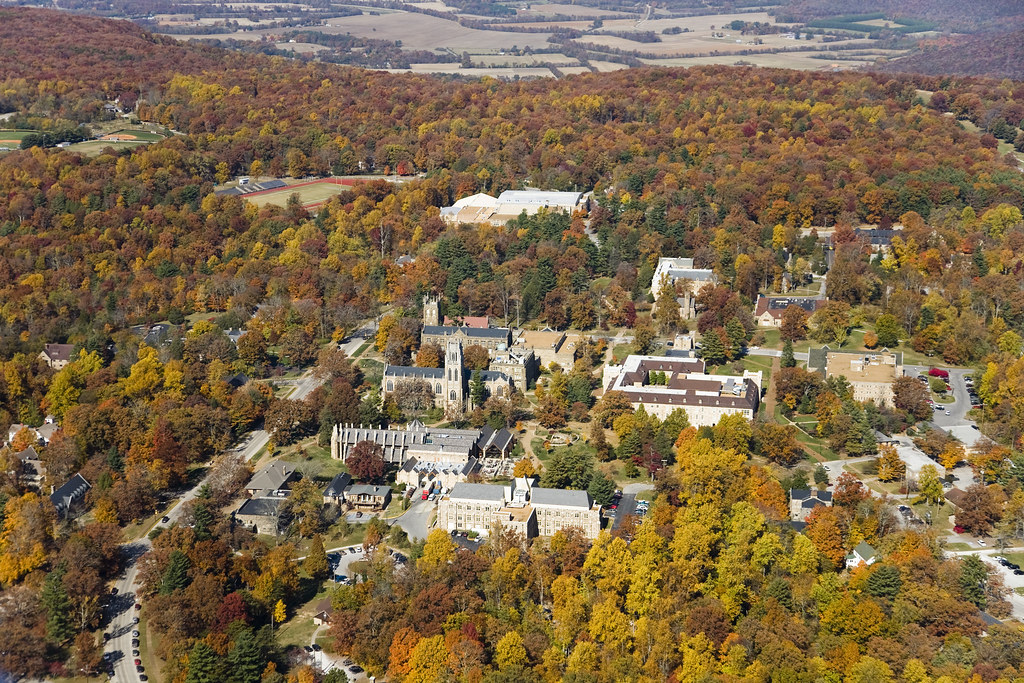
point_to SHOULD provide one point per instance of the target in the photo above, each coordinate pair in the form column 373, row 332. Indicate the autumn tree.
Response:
column 831, row 322
column 890, row 467
column 977, row 511
column 777, row 443
column 475, row 357
column 429, row 356
column 911, row 396
column 366, row 461
column 793, row 325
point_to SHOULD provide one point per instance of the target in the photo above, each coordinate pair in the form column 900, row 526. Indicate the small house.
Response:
column 367, row 496
column 70, row 495
column 273, row 479
column 323, row 612
column 335, row 491
column 863, row 553
column 57, row 355
column 262, row 515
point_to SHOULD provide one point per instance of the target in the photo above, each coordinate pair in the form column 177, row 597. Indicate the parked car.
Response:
column 425, row 494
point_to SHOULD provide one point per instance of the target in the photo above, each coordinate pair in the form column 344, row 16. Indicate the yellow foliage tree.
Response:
column 26, row 536
column 890, row 467
column 437, row 552
column 510, row 651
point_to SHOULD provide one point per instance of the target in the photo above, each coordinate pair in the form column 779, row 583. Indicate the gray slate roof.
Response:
column 482, row 332
column 74, row 490
column 576, row 499
column 261, row 507
column 410, row 371
column 466, row 491
column 272, row 476
column 366, row 490
column 338, row 485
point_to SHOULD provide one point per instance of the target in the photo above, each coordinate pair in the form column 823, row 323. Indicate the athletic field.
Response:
column 312, row 193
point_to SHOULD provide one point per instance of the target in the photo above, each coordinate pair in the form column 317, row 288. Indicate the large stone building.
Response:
column 550, row 346
column 425, row 454
column 870, row 374
column 519, row 365
column 450, row 384
column 530, row 510
column 662, row 384
column 680, row 273
column 494, row 339
column 483, row 208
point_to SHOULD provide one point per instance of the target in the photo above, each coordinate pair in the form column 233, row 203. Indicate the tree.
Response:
column 477, row 389
column 252, row 350
column 788, row 359
column 569, row 468
column 884, row 582
column 973, row 578
column 58, row 608
column 667, row 311
column 737, row 335
column 930, row 486
column 366, row 461
column 202, row 664
column 911, row 396
column 611, row 405
column 832, row 322
column 601, row 489
column 26, row 536
column 427, row 662
column 475, row 357
column 280, row 612
column 438, row 551
column 713, row 348
column 316, row 561
column 777, row 443
column 977, row 511
column 510, row 651
column 888, row 330
column 246, row 660
column 524, row 467
column 890, row 467
column 643, row 337
column 793, row 325
column 429, row 356
column 175, row 576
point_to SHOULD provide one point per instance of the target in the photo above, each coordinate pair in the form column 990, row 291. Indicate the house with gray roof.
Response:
column 57, row 355
column 368, row 496
column 335, row 491
column 271, row 479
column 263, row 515
column 70, row 496
column 863, row 553
column 803, row 501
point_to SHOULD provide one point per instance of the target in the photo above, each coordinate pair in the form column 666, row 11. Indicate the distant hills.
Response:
column 953, row 15
column 999, row 55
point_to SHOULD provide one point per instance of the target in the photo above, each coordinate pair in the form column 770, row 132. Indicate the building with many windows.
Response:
column 522, row 506
column 662, row 384
column 870, row 373
column 450, row 384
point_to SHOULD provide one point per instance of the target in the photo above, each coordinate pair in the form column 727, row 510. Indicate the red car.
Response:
column 138, row 662
column 958, row 529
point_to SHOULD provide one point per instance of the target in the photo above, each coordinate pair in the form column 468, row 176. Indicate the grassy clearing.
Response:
column 18, row 135
column 93, row 148
column 361, row 350
column 1016, row 558
column 308, row 194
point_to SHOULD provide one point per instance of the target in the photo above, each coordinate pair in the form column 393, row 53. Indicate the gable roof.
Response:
column 28, row 454
column 59, row 352
column 864, row 550
column 956, row 496
column 338, row 485
column 73, row 490
column 481, row 333
column 272, row 476
column 367, row 490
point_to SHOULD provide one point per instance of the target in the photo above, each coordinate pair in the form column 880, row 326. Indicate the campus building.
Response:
column 522, row 506
column 870, row 374
column 483, row 208
column 448, row 384
column 768, row 310
column 662, row 384
column 680, row 273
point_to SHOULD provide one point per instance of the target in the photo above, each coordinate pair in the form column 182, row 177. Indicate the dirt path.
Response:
column 770, row 400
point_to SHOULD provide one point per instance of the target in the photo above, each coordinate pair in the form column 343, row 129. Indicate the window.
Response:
column 437, row 388
column 391, row 385
column 452, row 396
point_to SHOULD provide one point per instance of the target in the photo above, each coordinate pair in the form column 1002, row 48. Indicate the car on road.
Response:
column 138, row 662
column 140, row 668
column 356, row 669
column 135, row 653
column 165, row 519
column 135, row 620
column 135, row 642
column 947, row 412
column 981, row 542
column 138, row 605
column 135, row 634
column 316, row 648
column 307, row 648
column 425, row 494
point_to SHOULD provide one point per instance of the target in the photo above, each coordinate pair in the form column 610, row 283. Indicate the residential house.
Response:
column 803, row 501
column 334, row 494
column 32, row 469
column 57, row 355
column 272, row 479
column 263, row 515
column 368, row 497
column 71, row 495
column 322, row 612
column 863, row 553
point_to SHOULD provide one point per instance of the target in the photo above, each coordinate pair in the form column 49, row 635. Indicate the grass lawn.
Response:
column 18, row 135
column 361, row 349
column 373, row 371
column 620, row 351
column 614, row 471
column 298, row 629
column 93, row 148
column 148, row 643
column 958, row 546
column 308, row 194
column 1016, row 558
column 812, row 442
column 308, row 456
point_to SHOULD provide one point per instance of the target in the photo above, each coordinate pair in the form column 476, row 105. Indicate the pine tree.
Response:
column 203, row 521
column 176, row 575
column 601, row 489
column 477, row 389
column 58, row 607
column 788, row 359
column 737, row 337
column 316, row 561
column 712, row 348
column 246, row 659
column 202, row 664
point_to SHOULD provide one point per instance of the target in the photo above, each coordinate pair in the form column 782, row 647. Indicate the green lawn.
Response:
column 18, row 135
column 361, row 349
column 1016, row 558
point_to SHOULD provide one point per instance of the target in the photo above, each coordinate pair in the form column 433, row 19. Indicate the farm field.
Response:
column 478, row 72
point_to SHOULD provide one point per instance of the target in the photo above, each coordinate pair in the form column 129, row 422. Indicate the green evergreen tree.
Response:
column 477, row 389
column 820, row 476
column 601, row 489
column 712, row 349
column 202, row 664
column 246, row 660
column 885, row 582
column 788, row 359
column 58, row 607
column 578, row 389
column 316, row 561
column 973, row 577
column 737, row 337
column 889, row 331
column 176, row 575
column 203, row 519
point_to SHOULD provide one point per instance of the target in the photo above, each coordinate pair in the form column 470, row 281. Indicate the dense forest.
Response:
column 996, row 55
column 735, row 167
column 951, row 15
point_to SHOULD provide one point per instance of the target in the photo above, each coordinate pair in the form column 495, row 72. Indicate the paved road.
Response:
column 416, row 519
column 1010, row 580
column 119, row 646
